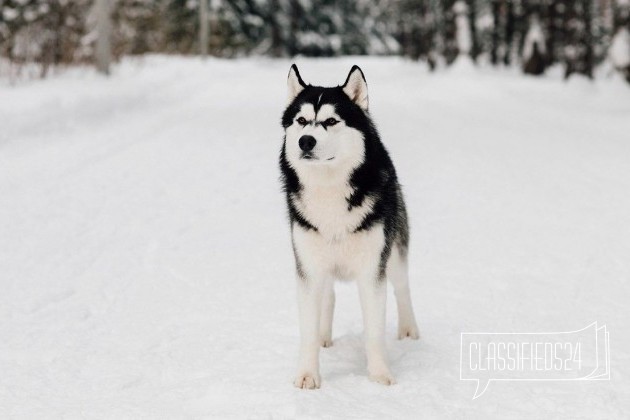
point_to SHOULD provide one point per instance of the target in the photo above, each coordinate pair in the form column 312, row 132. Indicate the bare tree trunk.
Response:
column 276, row 32
column 450, row 50
column 509, row 34
column 496, row 22
column 204, row 28
column 294, row 19
column 104, row 30
column 472, row 16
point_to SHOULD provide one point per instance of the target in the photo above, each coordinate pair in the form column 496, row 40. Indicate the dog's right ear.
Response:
column 356, row 87
column 295, row 83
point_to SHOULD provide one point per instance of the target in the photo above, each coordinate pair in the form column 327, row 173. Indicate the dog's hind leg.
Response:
column 397, row 274
column 309, row 304
column 328, row 309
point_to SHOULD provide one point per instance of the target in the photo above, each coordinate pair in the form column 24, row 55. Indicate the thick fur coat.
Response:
column 347, row 216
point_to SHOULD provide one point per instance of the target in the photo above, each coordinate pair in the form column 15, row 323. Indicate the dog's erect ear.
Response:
column 356, row 87
column 295, row 83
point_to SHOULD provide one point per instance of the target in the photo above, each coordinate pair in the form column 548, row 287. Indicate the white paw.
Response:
column 326, row 342
column 410, row 331
column 384, row 378
column 307, row 381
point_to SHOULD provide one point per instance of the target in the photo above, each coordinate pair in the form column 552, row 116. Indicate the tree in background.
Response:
column 278, row 20
column 577, row 50
column 102, row 16
column 495, row 37
column 602, row 29
column 449, row 32
column 474, row 38
column 43, row 31
column 463, row 33
column 204, row 29
column 576, row 34
column 180, row 26
column 534, row 48
column 510, row 26
column 138, row 27
column 619, row 52
column 416, row 31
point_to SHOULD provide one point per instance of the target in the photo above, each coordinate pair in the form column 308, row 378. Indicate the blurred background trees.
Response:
column 577, row 34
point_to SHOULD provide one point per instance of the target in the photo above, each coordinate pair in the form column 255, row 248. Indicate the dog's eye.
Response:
column 301, row 121
column 330, row 122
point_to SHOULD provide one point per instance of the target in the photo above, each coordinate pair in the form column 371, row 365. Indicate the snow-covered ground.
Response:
column 146, row 269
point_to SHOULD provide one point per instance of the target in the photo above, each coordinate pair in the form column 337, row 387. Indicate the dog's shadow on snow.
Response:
column 346, row 357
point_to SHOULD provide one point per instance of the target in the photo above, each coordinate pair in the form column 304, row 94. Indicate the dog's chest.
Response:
column 327, row 208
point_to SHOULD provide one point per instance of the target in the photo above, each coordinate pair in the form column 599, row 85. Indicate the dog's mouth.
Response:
column 312, row 157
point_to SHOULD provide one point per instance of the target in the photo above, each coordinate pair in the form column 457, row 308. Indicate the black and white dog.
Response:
column 347, row 215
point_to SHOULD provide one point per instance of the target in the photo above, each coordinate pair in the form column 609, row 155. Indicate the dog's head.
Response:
column 325, row 127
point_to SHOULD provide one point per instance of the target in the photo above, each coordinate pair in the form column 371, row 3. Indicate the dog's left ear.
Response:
column 294, row 83
column 356, row 87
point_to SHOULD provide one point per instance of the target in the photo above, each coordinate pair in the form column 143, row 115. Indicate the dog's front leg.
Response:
column 373, row 294
column 328, row 309
column 309, row 303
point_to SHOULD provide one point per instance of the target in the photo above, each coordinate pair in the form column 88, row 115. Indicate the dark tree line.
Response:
column 532, row 34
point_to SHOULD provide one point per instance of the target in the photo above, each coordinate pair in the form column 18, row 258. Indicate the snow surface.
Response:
column 146, row 269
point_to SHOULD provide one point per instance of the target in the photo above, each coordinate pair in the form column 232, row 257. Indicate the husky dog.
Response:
column 347, row 216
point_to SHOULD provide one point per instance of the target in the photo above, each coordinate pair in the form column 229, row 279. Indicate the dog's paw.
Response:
column 410, row 331
column 326, row 342
column 384, row 378
column 307, row 381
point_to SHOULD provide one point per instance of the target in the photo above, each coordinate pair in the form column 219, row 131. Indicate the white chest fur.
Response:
column 336, row 248
column 347, row 257
column 326, row 207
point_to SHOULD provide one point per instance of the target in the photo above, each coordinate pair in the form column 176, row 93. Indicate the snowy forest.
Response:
column 576, row 34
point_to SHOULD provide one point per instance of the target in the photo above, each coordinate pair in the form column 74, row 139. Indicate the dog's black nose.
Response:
column 307, row 143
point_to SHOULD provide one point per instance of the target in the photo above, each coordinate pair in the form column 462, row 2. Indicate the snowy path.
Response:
column 146, row 271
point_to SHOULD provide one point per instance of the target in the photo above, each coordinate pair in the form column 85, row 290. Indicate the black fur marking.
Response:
column 297, row 217
column 290, row 181
column 298, row 263
column 297, row 73
column 291, row 185
column 375, row 177
column 367, row 222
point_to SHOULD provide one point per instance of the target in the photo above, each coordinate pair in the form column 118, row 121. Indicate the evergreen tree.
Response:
column 534, row 48
column 578, row 53
column 619, row 51
column 416, row 30
column 510, row 26
column 48, row 32
column 449, row 50
column 137, row 27
column 276, row 22
column 180, row 26
column 496, row 37
column 602, row 29
column 472, row 18
column 575, row 33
